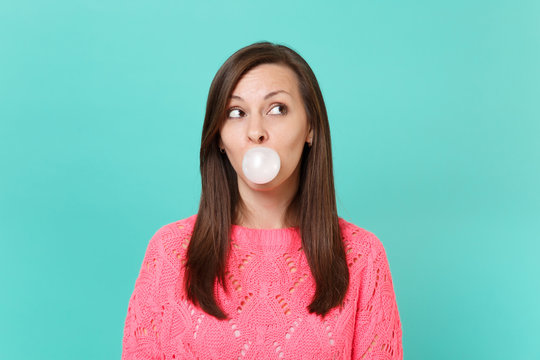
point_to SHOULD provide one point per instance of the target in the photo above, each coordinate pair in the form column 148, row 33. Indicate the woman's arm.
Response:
column 377, row 334
column 141, row 331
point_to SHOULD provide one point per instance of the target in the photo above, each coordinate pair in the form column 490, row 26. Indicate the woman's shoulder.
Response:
column 183, row 227
column 359, row 241
column 173, row 238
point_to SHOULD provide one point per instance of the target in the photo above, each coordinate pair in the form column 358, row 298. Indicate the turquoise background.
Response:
column 435, row 119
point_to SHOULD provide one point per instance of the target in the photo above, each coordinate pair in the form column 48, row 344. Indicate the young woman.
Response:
column 266, row 269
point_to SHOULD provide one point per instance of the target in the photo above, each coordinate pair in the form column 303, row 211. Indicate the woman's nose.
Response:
column 256, row 131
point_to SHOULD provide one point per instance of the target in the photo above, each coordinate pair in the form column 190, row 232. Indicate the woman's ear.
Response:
column 309, row 138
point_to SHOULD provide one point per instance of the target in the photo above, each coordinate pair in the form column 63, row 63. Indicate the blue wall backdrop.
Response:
column 435, row 118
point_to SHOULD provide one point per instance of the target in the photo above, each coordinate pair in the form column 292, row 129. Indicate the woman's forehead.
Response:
column 265, row 79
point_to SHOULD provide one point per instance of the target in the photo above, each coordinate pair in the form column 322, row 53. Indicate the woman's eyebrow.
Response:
column 267, row 96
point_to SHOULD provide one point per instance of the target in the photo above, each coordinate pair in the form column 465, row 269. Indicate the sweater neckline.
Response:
column 266, row 240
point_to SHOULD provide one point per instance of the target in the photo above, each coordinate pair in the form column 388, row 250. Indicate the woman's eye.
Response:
column 235, row 113
column 281, row 110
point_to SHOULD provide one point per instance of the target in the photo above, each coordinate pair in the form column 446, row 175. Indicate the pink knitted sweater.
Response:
column 270, row 285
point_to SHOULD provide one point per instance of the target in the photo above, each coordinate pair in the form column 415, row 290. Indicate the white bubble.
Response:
column 261, row 164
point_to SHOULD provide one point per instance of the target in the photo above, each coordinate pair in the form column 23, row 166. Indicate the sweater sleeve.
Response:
column 141, row 333
column 377, row 334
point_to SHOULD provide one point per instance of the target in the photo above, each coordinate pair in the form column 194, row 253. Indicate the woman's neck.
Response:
column 267, row 209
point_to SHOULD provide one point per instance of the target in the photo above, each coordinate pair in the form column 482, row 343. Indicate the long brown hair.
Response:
column 313, row 207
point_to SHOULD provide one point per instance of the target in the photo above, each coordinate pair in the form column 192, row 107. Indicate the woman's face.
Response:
column 266, row 109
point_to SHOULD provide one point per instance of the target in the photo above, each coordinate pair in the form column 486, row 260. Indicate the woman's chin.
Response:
column 268, row 186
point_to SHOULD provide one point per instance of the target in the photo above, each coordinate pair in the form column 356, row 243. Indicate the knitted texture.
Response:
column 269, row 287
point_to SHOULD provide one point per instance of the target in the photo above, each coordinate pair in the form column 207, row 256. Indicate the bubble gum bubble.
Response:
column 261, row 164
